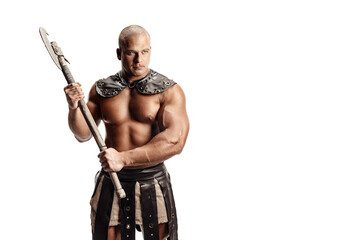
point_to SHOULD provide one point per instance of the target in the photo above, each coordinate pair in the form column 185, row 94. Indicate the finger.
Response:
column 73, row 94
column 100, row 155
column 72, row 86
column 105, row 166
column 75, row 84
column 73, row 90
column 76, row 98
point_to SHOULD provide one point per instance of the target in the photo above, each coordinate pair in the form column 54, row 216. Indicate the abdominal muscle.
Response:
column 129, row 135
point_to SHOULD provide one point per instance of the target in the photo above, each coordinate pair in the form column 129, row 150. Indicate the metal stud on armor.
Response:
column 152, row 83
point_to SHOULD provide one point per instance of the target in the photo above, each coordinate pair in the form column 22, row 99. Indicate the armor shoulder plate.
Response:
column 153, row 83
column 111, row 86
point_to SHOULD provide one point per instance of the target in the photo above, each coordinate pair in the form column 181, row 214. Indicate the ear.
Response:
column 118, row 53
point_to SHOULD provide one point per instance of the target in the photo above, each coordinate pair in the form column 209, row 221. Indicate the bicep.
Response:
column 93, row 105
column 172, row 115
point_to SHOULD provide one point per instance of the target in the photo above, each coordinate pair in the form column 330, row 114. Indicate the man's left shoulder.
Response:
column 154, row 83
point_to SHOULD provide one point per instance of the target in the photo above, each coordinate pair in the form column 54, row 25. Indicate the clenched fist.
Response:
column 73, row 94
column 111, row 160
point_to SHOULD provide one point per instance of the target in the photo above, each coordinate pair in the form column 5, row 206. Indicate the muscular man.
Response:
column 146, row 123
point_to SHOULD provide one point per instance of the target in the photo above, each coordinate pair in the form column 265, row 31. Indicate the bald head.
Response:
column 134, row 52
column 130, row 31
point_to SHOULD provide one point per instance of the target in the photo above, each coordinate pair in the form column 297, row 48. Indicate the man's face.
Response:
column 135, row 55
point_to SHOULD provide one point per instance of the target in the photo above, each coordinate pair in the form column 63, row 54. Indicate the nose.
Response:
column 138, row 58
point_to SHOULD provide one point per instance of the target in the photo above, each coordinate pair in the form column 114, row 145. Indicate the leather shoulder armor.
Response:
column 151, row 84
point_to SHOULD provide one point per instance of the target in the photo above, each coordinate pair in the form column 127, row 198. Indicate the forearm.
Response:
column 161, row 147
column 78, row 125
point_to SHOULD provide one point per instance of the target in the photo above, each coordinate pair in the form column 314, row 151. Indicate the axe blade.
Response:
column 48, row 46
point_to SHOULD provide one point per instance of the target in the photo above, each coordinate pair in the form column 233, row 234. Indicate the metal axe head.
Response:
column 49, row 47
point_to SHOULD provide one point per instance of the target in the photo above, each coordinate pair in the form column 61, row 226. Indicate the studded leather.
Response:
column 128, row 177
column 152, row 83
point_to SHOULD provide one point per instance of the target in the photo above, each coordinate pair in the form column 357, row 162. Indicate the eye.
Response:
column 145, row 51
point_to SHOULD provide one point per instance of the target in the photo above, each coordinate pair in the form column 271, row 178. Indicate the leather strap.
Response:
column 102, row 219
column 149, row 210
column 127, row 215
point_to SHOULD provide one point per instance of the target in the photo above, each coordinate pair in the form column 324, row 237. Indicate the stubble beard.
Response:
column 139, row 72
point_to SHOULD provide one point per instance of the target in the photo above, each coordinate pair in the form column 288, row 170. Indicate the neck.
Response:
column 132, row 78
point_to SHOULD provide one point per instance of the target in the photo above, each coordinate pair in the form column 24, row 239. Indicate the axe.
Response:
column 60, row 61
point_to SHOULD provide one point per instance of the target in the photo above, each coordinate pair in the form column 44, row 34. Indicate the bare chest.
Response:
column 130, row 106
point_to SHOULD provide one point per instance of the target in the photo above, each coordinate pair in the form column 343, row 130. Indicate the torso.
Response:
column 130, row 119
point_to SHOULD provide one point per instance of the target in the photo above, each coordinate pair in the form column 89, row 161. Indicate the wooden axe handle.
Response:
column 91, row 123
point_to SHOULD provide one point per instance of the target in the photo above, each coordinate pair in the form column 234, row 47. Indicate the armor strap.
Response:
column 166, row 188
column 128, row 212
column 104, row 207
column 149, row 210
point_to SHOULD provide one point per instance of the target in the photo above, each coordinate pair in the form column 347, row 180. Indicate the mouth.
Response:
column 139, row 67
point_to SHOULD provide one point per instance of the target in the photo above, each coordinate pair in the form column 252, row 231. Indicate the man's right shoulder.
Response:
column 110, row 86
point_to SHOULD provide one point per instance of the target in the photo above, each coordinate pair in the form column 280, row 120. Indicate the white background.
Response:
column 272, row 94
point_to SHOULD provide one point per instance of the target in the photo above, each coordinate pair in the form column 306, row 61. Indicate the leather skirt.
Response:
column 128, row 178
